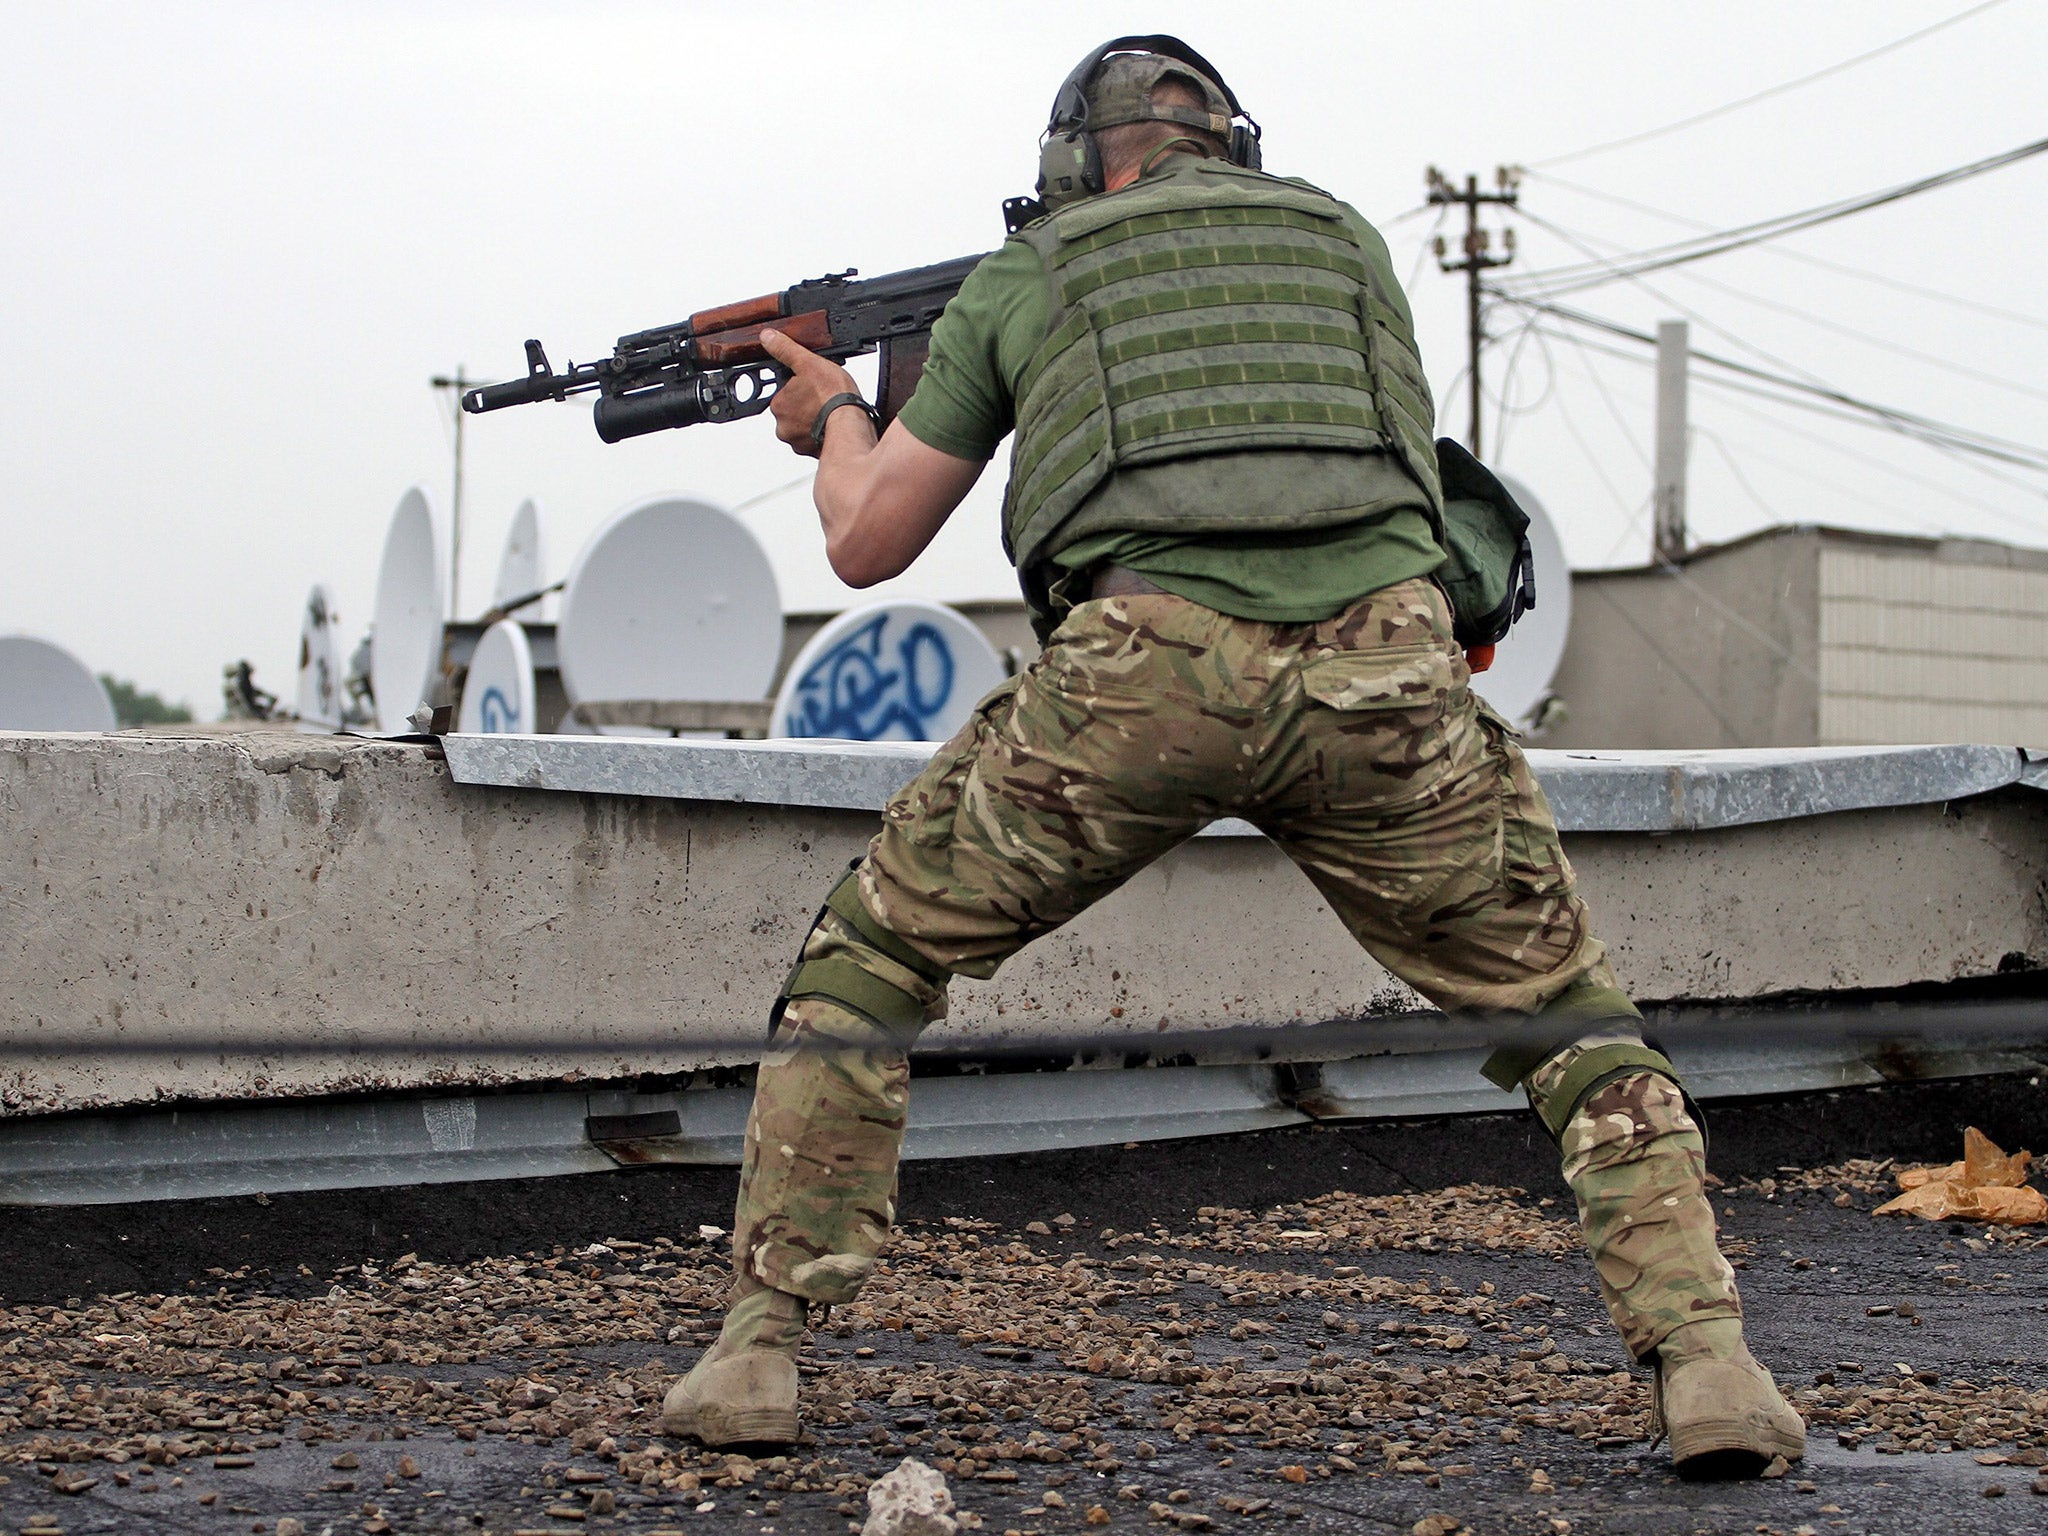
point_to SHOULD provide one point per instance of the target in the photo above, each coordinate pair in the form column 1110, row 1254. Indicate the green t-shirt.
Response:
column 965, row 404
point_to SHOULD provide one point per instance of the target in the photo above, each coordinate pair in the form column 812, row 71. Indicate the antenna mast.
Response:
column 458, row 383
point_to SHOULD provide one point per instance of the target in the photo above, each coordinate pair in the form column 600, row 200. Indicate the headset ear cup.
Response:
column 1069, row 168
column 1244, row 148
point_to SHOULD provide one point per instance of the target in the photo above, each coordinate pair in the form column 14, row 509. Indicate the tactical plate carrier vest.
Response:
column 1208, row 309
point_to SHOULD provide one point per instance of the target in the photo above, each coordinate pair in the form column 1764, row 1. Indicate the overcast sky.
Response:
column 240, row 238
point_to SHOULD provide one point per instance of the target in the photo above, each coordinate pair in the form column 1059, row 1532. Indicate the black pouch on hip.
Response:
column 1491, row 573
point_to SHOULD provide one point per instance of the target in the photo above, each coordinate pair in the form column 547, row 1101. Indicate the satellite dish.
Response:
column 498, row 698
column 670, row 600
column 522, row 568
column 890, row 671
column 318, row 704
column 412, row 602
column 1519, row 679
column 43, row 687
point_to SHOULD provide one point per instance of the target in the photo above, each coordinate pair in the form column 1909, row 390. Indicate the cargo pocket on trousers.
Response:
column 1407, row 677
column 925, row 807
column 1532, row 858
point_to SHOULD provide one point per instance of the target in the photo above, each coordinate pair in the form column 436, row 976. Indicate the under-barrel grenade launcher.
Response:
column 711, row 367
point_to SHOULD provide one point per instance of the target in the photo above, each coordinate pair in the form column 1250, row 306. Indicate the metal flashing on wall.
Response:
column 1589, row 791
column 282, row 1146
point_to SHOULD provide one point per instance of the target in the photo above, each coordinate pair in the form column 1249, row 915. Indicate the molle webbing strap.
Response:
column 1208, row 311
column 1595, row 1070
column 1238, row 252
column 1227, row 216
column 1221, row 295
column 1509, row 1064
column 845, row 901
column 1231, row 333
column 1570, row 1016
column 781, row 1004
column 840, row 980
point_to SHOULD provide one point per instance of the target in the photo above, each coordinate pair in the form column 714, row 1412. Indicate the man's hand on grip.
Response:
column 812, row 381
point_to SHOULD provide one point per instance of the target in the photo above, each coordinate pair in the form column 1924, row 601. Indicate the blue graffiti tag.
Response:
column 499, row 715
column 851, row 693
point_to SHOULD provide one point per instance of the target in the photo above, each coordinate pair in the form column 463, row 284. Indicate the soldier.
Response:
column 1225, row 512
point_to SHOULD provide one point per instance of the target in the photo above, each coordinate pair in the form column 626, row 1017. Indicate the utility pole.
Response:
column 1673, row 351
column 1476, row 260
column 459, row 383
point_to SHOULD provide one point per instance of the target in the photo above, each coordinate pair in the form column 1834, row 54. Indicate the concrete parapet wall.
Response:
column 161, row 896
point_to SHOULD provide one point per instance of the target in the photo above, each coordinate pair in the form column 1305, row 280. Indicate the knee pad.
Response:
column 1594, row 1070
column 1590, row 1003
column 842, row 980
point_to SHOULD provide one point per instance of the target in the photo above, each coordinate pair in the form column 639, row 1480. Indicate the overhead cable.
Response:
column 1806, row 258
column 1555, row 282
column 1777, row 422
column 1882, row 343
column 1909, row 423
column 1766, row 94
column 2032, row 524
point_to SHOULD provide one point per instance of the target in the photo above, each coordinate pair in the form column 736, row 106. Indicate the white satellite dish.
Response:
column 43, row 687
column 498, row 698
column 890, row 671
column 670, row 600
column 1524, row 664
column 318, row 704
column 521, row 569
column 412, row 603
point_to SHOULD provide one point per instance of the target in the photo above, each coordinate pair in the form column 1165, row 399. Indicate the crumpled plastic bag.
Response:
column 1986, row 1186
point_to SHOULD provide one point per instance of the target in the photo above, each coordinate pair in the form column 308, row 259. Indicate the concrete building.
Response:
column 1811, row 636
column 1791, row 637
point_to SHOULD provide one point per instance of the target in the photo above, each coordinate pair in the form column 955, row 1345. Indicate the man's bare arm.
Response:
column 880, row 502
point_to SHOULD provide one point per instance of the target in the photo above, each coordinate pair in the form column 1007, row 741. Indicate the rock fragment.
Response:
column 911, row 1500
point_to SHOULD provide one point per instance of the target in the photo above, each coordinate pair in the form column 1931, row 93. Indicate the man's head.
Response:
column 1139, row 103
column 1127, row 103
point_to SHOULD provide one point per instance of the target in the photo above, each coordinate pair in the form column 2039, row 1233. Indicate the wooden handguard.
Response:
column 731, row 316
column 742, row 344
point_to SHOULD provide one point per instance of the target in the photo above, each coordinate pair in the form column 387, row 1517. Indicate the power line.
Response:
column 1506, row 410
column 1670, row 303
column 1848, row 493
column 769, row 495
column 1884, row 344
column 1693, row 315
column 1559, row 281
column 1952, row 449
column 2033, row 525
column 1776, row 90
column 1613, row 407
column 1677, row 572
column 1807, row 258
column 1967, row 453
column 1908, row 423
column 1650, row 642
column 1777, row 423
column 1631, row 516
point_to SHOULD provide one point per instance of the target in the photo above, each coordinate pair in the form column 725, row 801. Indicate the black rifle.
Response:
column 711, row 367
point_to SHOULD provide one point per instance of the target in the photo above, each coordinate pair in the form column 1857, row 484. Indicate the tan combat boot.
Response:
column 1724, row 1414
column 743, row 1391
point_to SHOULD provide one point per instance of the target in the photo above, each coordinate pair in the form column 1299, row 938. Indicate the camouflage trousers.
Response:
column 1356, row 745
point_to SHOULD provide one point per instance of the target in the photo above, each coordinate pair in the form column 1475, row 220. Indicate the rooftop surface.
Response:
column 1353, row 1329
